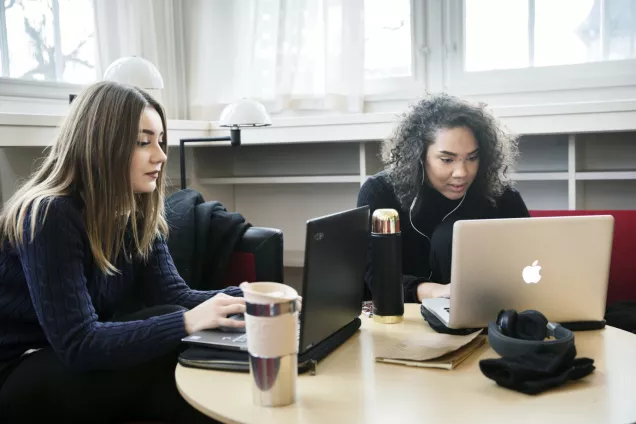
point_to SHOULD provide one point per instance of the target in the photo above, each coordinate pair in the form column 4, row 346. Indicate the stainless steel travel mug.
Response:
column 271, row 324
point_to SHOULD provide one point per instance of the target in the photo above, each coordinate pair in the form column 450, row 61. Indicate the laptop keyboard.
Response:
column 240, row 339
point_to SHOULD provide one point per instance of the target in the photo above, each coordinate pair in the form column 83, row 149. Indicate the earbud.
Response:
column 415, row 200
column 413, row 205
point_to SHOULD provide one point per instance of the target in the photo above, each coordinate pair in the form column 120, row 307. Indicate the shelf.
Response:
column 315, row 179
column 539, row 176
column 535, row 176
column 609, row 175
column 294, row 258
column 563, row 176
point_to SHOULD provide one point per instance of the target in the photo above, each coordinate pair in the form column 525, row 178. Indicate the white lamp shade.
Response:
column 244, row 113
column 135, row 71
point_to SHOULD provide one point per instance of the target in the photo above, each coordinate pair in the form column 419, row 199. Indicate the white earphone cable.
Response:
column 413, row 205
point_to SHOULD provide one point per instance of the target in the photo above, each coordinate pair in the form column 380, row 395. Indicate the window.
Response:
column 395, row 47
column 48, row 40
column 312, row 49
column 507, row 34
column 387, row 26
column 496, row 48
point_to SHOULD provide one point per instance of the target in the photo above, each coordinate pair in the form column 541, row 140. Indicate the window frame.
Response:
column 401, row 87
column 375, row 89
column 31, row 88
column 437, row 65
column 34, row 89
column 4, row 43
column 592, row 75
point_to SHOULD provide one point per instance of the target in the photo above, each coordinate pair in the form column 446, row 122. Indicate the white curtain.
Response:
column 301, row 54
column 292, row 55
column 152, row 29
column 295, row 56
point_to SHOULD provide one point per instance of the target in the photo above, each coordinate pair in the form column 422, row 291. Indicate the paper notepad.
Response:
column 432, row 350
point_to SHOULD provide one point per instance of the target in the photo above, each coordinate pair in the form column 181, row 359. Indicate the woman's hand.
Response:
column 442, row 290
column 213, row 313
column 428, row 290
column 299, row 299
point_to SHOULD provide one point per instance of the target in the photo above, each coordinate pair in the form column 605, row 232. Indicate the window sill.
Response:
column 564, row 118
column 48, row 90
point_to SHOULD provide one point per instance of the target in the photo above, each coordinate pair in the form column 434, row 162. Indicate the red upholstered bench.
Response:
column 622, row 278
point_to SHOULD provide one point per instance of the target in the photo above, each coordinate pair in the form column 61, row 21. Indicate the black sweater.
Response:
column 428, row 212
column 53, row 294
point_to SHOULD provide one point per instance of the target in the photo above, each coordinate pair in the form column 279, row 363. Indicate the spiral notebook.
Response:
column 432, row 350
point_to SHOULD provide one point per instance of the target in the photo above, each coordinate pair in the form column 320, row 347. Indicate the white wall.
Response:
column 16, row 164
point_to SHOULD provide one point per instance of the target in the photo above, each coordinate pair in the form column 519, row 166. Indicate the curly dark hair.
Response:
column 404, row 150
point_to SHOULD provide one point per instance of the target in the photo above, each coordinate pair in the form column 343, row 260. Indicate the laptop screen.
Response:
column 333, row 281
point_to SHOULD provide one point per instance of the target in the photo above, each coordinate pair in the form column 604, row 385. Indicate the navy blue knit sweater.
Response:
column 53, row 294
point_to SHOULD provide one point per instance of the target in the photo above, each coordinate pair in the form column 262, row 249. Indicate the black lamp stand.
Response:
column 234, row 138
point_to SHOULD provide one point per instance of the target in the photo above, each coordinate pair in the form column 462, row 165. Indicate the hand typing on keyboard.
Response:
column 214, row 313
column 443, row 291
column 233, row 329
column 429, row 289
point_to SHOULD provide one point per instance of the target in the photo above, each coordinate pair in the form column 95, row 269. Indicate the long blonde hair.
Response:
column 92, row 155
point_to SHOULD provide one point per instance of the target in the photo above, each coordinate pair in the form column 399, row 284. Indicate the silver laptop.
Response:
column 556, row 265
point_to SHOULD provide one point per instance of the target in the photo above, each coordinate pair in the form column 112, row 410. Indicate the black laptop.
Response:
column 336, row 248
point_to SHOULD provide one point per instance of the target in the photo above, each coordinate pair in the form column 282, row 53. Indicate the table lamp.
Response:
column 243, row 113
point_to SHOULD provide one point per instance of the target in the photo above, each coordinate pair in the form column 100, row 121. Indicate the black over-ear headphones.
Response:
column 516, row 334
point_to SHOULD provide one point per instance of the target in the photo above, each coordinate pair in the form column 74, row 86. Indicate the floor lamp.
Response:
column 243, row 113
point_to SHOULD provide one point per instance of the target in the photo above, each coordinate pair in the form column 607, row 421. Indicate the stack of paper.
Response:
column 432, row 350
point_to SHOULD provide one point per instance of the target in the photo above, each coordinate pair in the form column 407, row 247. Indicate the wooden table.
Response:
column 350, row 387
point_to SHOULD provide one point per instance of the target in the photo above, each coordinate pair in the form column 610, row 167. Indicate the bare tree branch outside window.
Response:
column 38, row 23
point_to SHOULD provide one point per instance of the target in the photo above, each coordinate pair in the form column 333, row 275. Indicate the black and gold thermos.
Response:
column 386, row 257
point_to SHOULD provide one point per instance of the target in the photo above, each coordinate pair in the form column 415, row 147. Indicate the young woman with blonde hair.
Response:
column 92, row 309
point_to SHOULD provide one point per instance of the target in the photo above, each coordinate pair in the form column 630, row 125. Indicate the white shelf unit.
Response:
column 279, row 185
column 284, row 185
column 605, row 171
column 312, row 179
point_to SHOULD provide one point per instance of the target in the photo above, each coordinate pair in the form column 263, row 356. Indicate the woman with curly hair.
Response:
column 448, row 160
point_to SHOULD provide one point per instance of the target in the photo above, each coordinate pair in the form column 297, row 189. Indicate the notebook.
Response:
column 427, row 350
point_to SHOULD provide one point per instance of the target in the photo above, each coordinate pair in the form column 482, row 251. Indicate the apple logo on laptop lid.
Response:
column 531, row 274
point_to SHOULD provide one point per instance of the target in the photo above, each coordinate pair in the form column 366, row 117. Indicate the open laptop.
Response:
column 336, row 246
column 556, row 265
